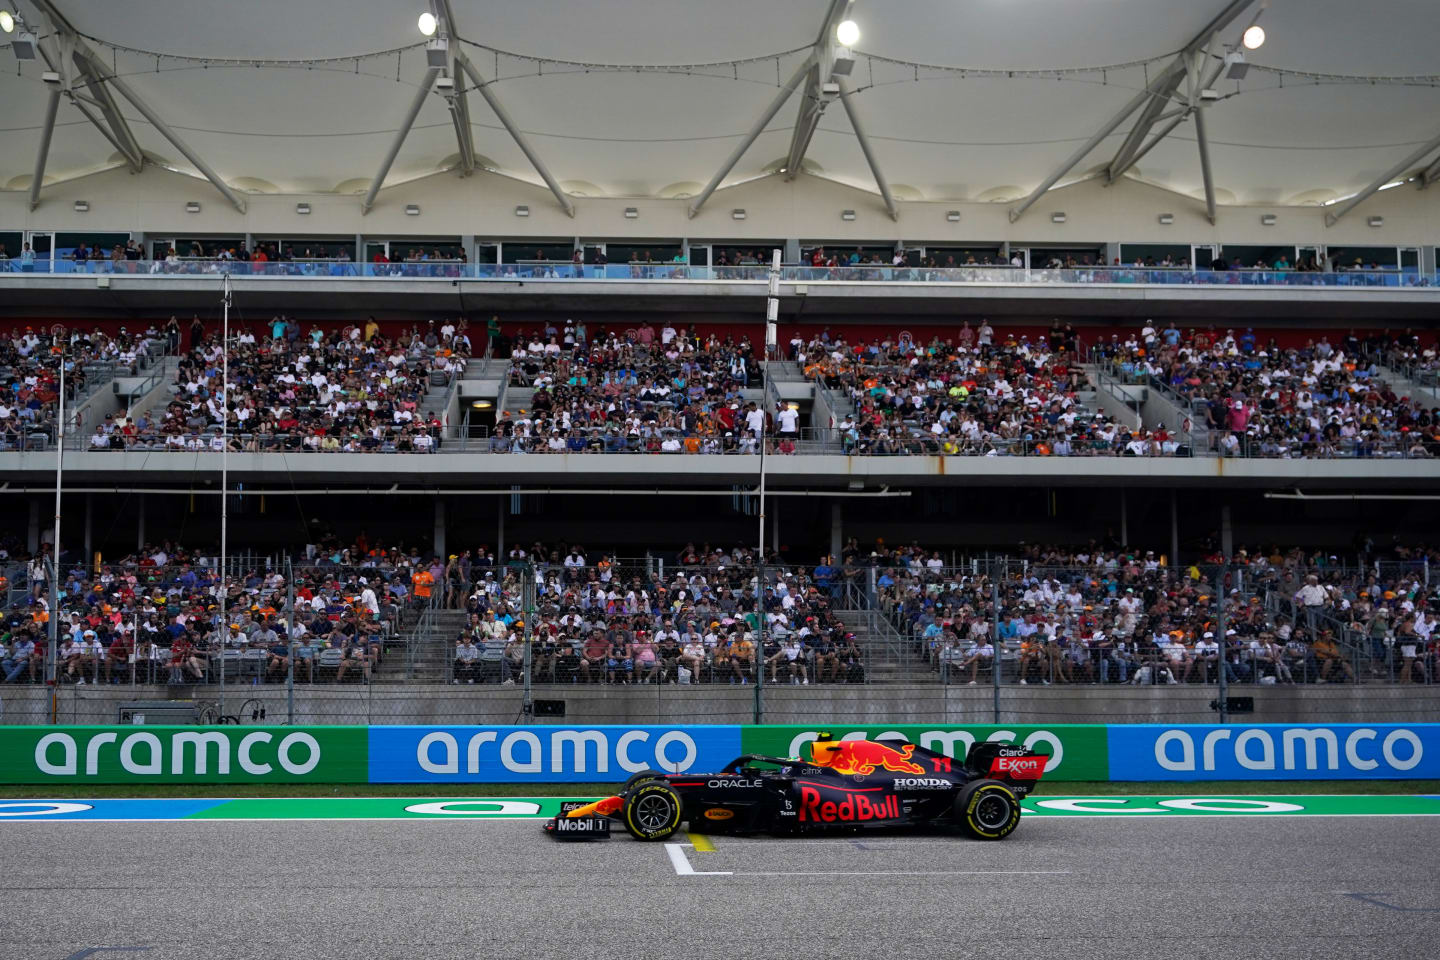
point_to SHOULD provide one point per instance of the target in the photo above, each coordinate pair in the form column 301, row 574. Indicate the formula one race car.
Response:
column 844, row 784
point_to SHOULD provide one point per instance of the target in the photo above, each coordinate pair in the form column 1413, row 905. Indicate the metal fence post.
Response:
column 289, row 642
column 996, row 643
column 1222, row 686
column 528, row 592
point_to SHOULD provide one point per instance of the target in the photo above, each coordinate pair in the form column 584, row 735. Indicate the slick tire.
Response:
column 652, row 811
column 641, row 777
column 987, row 810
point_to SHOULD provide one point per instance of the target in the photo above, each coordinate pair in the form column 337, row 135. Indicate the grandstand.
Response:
column 597, row 380
column 1165, row 333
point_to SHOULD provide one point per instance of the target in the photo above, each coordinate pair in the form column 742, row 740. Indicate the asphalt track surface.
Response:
column 1322, row 887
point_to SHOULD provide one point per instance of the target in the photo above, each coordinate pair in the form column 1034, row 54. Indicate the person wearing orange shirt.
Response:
column 421, row 584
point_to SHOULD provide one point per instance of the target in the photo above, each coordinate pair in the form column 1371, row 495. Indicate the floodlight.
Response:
column 848, row 33
column 428, row 23
column 7, row 21
column 1254, row 37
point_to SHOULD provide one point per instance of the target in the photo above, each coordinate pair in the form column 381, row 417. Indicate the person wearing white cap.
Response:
column 1207, row 655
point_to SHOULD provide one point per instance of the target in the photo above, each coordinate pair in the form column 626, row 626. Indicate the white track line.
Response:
column 904, row 873
column 681, row 863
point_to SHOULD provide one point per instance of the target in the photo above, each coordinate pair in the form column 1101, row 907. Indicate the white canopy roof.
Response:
column 1307, row 124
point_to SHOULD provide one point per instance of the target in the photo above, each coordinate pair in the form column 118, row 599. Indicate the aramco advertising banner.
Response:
column 1275, row 751
column 543, row 753
column 179, row 754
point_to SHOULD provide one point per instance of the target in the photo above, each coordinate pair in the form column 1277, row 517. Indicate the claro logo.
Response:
column 1255, row 749
column 565, row 750
column 145, row 754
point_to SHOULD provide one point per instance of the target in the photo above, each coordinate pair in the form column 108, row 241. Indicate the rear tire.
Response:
column 652, row 811
column 987, row 810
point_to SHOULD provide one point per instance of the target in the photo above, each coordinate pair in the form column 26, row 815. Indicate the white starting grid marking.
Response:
column 683, row 868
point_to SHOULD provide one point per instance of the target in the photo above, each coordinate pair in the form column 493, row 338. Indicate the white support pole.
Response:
column 410, row 114
column 1080, row 153
column 755, row 130
column 1389, row 176
column 176, row 142
column 521, row 141
column 1431, row 174
column 847, row 98
column 43, row 154
column 1205, row 176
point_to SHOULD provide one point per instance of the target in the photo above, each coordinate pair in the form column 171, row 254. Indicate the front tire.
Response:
column 987, row 810
column 652, row 811
column 641, row 777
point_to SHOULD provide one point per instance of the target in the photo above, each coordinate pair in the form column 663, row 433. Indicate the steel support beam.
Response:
column 1395, row 172
column 1205, row 165
column 130, row 147
column 1162, row 89
column 1164, row 86
column 1074, row 158
column 813, row 103
column 755, row 130
column 458, row 102
column 847, row 97
column 411, row 113
column 1431, row 175
column 460, row 116
column 164, row 130
column 812, row 108
column 43, row 154
column 520, row 139
column 74, row 52
column 1150, row 145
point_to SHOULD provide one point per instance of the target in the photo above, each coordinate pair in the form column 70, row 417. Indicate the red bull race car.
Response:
column 844, row 785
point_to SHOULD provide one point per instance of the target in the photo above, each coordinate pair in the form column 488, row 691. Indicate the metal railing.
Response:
column 754, row 273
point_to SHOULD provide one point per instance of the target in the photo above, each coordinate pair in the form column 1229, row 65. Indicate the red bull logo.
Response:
column 863, row 757
column 856, row 807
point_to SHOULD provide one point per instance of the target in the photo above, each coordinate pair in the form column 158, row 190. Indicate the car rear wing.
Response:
column 1009, row 762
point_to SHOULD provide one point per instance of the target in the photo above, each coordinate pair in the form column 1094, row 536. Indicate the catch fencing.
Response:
column 643, row 640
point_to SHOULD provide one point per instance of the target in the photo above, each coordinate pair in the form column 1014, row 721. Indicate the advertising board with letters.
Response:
column 1275, row 751
column 542, row 753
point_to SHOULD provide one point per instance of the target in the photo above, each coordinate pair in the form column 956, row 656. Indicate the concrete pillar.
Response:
column 1124, row 518
column 1227, row 535
column 32, row 532
column 89, row 538
column 837, row 539
column 440, row 528
column 1112, row 250
column 500, row 531
column 791, row 254
column 1174, row 530
column 140, row 526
